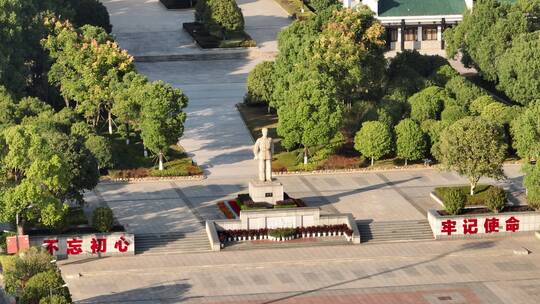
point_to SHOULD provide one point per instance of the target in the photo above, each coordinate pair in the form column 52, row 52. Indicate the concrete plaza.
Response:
column 476, row 271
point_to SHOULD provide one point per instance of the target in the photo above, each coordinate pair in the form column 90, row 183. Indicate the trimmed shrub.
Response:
column 101, row 148
column 463, row 90
column 454, row 201
column 427, row 104
column 259, row 84
column 23, row 266
column 54, row 299
column 477, row 106
column 40, row 285
column 424, row 65
column 443, row 74
column 495, row 199
column 282, row 232
column 452, row 114
column 219, row 16
column 531, row 181
column 91, row 12
column 103, row 219
column 320, row 5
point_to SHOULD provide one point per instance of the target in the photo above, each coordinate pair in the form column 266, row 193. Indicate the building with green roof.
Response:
column 415, row 24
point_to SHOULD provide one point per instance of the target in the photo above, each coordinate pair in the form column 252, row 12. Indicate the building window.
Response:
column 429, row 33
column 393, row 35
column 411, row 34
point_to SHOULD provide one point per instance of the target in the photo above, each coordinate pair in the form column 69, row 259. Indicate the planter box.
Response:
column 482, row 225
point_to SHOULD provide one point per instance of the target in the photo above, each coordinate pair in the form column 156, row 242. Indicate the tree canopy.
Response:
column 427, row 104
column 374, row 140
column 525, row 131
column 473, row 147
column 410, row 141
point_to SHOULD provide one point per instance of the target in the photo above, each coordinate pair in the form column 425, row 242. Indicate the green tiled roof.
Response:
column 393, row 8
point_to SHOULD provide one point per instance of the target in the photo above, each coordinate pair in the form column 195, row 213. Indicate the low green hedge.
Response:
column 478, row 199
column 178, row 4
column 282, row 232
column 177, row 167
column 207, row 40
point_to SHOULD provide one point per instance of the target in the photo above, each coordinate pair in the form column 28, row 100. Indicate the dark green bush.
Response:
column 443, row 74
column 18, row 270
column 463, row 90
column 178, row 4
column 320, row 5
column 452, row 114
column 91, row 12
column 495, row 199
column 219, row 16
column 40, row 286
column 454, row 201
column 54, row 299
column 424, row 65
column 101, row 148
column 282, row 232
column 103, row 219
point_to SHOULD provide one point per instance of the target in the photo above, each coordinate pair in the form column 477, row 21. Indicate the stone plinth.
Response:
column 268, row 192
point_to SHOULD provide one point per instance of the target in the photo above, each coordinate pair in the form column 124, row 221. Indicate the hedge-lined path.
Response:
column 147, row 29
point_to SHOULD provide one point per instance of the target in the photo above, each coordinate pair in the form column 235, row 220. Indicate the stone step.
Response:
column 173, row 242
column 398, row 231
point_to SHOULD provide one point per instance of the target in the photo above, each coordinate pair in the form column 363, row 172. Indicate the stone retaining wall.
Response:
column 482, row 225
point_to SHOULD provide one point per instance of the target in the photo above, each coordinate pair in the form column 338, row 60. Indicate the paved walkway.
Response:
column 481, row 271
column 154, row 207
column 147, row 28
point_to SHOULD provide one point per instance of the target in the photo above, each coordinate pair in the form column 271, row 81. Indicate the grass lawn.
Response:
column 257, row 117
column 478, row 199
column 130, row 162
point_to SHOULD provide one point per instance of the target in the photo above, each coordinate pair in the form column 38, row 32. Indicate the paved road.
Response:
column 475, row 271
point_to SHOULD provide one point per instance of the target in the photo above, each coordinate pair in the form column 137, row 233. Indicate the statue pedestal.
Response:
column 268, row 192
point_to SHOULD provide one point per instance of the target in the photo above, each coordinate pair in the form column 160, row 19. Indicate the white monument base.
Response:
column 268, row 192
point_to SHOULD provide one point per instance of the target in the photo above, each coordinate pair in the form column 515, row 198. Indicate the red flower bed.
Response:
column 234, row 206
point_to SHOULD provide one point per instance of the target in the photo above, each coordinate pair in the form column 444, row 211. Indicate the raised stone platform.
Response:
column 268, row 192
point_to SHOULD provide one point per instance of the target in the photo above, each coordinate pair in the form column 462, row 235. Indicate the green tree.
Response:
column 321, row 5
column 473, row 147
column 374, row 140
column 519, row 69
column 525, row 131
column 162, row 122
column 101, row 149
column 260, row 84
column 443, row 74
column 103, row 219
column 311, row 115
column 91, row 12
column 531, row 181
column 128, row 98
column 410, row 140
column 427, row 104
column 36, row 179
column 350, row 48
column 87, row 66
column 434, row 128
column 498, row 113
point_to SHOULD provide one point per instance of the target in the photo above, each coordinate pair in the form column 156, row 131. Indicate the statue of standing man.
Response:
column 263, row 150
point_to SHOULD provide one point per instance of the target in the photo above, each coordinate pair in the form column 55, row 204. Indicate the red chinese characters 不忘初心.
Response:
column 51, row 245
column 98, row 245
column 74, row 246
column 122, row 244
